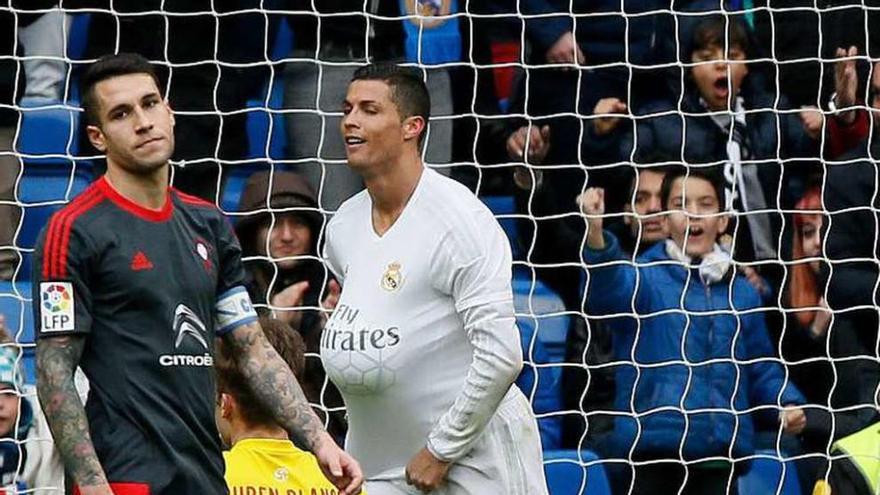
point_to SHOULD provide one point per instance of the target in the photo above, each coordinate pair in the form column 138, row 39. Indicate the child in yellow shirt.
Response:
column 262, row 458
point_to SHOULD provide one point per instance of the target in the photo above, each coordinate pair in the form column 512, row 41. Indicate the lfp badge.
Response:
column 56, row 301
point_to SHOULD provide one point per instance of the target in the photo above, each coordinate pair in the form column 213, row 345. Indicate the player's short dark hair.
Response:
column 408, row 90
column 711, row 33
column 107, row 67
column 710, row 174
column 290, row 346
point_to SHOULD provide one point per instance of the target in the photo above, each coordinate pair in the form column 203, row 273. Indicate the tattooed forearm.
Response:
column 273, row 383
column 57, row 359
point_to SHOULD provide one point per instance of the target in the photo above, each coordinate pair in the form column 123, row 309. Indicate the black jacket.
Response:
column 851, row 199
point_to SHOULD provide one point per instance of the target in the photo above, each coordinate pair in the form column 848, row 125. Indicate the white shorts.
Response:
column 505, row 460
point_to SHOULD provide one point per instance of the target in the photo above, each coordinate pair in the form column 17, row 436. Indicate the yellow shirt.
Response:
column 273, row 467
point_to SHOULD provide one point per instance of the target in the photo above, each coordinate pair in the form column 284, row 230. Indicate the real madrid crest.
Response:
column 392, row 279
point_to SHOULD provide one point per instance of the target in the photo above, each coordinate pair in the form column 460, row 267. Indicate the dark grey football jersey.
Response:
column 142, row 286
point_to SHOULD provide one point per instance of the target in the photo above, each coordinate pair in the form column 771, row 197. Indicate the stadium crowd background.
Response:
column 534, row 101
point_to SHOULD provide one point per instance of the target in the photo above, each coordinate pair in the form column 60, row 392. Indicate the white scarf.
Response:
column 743, row 181
column 713, row 266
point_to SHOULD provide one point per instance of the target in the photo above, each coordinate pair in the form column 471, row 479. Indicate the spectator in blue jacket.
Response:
column 697, row 359
column 729, row 117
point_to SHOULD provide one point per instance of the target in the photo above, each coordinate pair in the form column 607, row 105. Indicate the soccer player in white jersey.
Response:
column 423, row 344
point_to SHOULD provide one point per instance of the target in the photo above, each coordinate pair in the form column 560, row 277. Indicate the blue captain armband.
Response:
column 234, row 309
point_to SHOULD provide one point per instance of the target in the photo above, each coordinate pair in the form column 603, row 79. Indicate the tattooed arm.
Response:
column 57, row 359
column 274, row 385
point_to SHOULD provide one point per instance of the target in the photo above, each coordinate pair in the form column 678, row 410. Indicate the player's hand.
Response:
column 793, row 420
column 339, row 467
column 812, row 120
column 592, row 205
column 426, row 472
column 846, row 82
column 290, row 297
column 605, row 106
column 536, row 139
column 566, row 51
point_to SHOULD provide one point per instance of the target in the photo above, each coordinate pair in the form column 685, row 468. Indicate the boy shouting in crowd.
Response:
column 701, row 359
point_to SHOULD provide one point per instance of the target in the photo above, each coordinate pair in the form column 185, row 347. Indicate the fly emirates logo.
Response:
column 342, row 333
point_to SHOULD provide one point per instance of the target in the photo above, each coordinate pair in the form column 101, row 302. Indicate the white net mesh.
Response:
column 634, row 364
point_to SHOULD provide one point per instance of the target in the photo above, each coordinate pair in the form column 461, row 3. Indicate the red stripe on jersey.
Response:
column 135, row 209
column 192, row 200
column 123, row 489
column 66, row 227
column 49, row 243
column 52, row 241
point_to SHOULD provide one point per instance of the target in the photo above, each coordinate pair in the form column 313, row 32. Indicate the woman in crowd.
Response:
column 287, row 278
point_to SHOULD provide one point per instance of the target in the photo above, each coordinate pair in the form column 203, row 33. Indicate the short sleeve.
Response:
column 61, row 276
column 231, row 273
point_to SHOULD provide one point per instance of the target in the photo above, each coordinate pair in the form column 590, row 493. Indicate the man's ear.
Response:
column 96, row 137
column 170, row 111
column 413, row 127
column 227, row 405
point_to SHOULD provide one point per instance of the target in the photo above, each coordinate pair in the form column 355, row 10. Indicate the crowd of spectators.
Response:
column 546, row 101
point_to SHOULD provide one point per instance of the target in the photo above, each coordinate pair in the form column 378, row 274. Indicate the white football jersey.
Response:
column 411, row 347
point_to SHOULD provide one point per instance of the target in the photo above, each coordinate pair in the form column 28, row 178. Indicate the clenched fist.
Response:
column 793, row 420
column 592, row 205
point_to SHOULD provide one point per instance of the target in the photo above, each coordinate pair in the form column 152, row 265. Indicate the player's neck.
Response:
column 391, row 190
column 149, row 191
column 242, row 431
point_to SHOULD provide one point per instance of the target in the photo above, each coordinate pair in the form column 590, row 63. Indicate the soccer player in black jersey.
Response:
column 133, row 281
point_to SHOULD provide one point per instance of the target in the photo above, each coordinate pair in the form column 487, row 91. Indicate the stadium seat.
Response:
column 263, row 111
column 78, row 39
column 766, row 475
column 566, row 469
column 503, row 207
column 539, row 307
column 234, row 179
column 49, row 132
column 15, row 306
column 543, row 329
column 259, row 117
column 42, row 190
column 284, row 40
column 545, row 394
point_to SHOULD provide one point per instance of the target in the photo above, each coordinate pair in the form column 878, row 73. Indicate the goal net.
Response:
column 722, row 332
